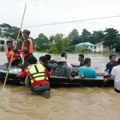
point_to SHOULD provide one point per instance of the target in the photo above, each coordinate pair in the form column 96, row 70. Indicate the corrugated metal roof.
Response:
column 100, row 43
column 85, row 44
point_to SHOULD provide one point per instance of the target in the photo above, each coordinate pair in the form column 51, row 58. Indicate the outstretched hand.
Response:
column 105, row 80
column 14, row 50
column 18, row 75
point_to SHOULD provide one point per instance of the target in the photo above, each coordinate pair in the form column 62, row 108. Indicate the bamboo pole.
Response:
column 9, row 66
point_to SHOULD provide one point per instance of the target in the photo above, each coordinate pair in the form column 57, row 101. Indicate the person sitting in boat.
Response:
column 75, row 67
column 44, row 62
column 111, row 64
column 49, row 59
column 12, row 54
column 87, row 71
column 37, row 76
column 63, row 69
column 50, row 63
column 115, row 75
column 64, row 55
column 81, row 59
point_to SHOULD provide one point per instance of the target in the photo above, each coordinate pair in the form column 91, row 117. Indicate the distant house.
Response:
column 100, row 47
column 87, row 45
column 3, row 41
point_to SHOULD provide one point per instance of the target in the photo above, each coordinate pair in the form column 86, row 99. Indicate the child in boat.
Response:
column 87, row 71
column 37, row 77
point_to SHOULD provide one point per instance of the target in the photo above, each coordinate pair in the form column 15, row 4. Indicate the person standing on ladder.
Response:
column 27, row 47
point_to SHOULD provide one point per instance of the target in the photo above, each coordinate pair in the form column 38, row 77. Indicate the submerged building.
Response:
column 98, row 48
column 3, row 41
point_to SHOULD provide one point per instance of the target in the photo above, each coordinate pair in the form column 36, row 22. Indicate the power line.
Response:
column 65, row 22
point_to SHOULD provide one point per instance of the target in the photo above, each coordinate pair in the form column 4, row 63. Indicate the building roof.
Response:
column 100, row 43
column 85, row 44
column 4, row 38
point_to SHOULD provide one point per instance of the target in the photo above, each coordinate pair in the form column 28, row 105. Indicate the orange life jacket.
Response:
column 30, row 49
column 10, row 53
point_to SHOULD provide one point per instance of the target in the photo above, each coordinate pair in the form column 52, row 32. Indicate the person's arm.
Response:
column 68, row 73
column 75, row 65
column 81, row 74
column 112, row 76
column 95, row 75
column 47, row 73
column 107, row 67
column 26, row 46
column 23, row 74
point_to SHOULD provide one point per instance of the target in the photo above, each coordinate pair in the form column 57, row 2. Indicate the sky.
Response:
column 40, row 12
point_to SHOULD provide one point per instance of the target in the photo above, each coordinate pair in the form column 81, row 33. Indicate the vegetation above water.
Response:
column 58, row 43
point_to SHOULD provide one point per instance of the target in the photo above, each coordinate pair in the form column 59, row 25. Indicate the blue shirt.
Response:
column 88, row 72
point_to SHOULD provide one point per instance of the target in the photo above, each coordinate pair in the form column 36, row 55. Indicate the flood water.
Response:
column 82, row 103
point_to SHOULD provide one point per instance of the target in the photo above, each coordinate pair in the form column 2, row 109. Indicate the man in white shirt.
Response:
column 115, row 75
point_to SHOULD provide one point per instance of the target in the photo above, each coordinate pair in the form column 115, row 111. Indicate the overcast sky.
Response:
column 51, row 11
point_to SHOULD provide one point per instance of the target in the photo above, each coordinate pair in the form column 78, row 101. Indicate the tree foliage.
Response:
column 111, row 37
column 74, row 36
column 9, row 31
column 58, row 43
column 41, row 43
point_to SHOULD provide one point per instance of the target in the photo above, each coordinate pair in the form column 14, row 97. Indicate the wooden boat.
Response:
column 56, row 81
column 62, row 81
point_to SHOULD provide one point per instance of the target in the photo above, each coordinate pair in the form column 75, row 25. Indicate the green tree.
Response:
column 117, row 45
column 111, row 37
column 4, row 27
column 67, row 45
column 86, row 36
column 74, row 37
column 97, row 36
column 12, row 32
column 41, row 42
column 58, row 42
column 9, row 31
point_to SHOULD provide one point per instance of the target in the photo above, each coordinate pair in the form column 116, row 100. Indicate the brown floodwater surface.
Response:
column 81, row 103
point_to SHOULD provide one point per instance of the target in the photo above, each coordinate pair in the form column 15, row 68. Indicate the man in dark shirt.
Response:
column 111, row 64
column 81, row 59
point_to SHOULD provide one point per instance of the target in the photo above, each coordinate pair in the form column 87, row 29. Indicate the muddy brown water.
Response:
column 16, row 102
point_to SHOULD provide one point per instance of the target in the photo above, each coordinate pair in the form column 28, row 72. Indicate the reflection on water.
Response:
column 16, row 102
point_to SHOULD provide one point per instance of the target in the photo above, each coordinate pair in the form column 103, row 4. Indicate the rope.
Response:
column 9, row 66
column 74, row 21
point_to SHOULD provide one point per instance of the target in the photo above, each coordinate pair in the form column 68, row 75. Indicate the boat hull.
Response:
column 58, row 81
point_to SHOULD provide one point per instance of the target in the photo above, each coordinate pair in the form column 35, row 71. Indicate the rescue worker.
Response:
column 27, row 47
column 12, row 55
column 38, row 76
